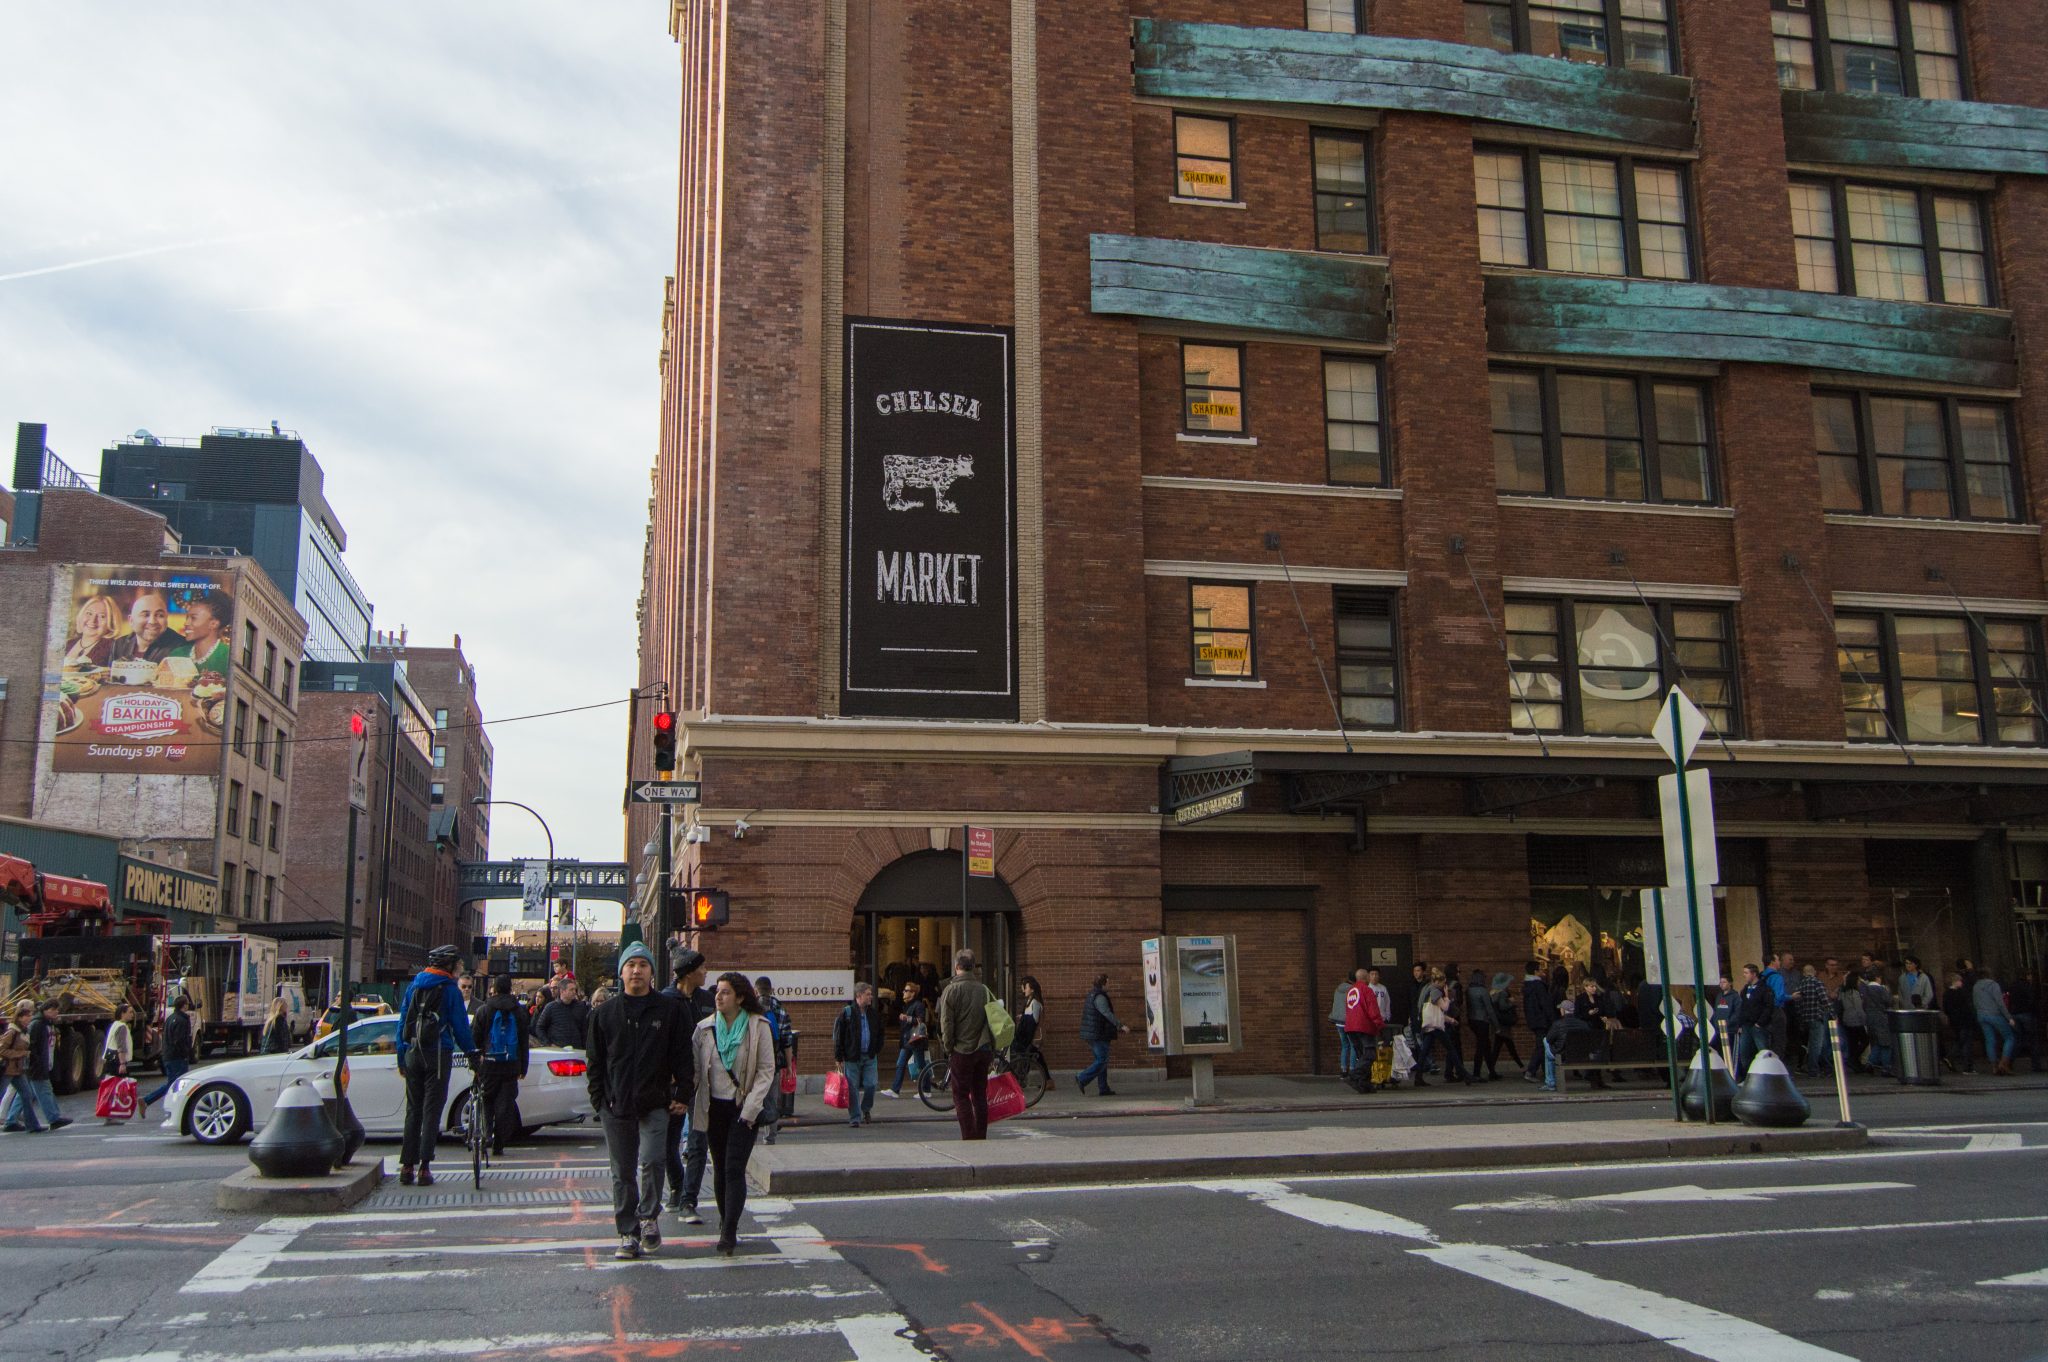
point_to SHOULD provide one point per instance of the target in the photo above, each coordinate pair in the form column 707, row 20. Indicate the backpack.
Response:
column 503, row 1044
column 423, row 1029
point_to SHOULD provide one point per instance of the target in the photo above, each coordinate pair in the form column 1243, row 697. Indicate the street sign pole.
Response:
column 1678, row 731
column 1692, row 916
column 1670, row 1004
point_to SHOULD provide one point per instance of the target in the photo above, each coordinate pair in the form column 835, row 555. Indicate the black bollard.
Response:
column 1724, row 1088
column 1768, row 1096
column 298, row 1141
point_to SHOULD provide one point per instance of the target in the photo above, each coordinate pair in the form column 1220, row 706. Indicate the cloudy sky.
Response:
column 428, row 237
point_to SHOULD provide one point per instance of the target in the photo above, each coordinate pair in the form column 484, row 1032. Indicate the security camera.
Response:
column 739, row 828
column 700, row 833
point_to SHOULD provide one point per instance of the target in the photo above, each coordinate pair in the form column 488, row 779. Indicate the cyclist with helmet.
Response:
column 433, row 1023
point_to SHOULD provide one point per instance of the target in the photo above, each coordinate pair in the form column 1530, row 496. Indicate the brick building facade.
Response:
column 1367, row 360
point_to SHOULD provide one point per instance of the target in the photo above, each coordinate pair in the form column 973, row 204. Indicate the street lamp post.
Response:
column 548, row 944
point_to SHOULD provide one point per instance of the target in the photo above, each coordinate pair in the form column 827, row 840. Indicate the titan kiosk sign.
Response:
column 1191, row 995
column 930, row 624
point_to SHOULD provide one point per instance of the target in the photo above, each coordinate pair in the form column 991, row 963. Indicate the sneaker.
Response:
column 14, row 1128
column 650, row 1235
column 690, row 1216
column 890, row 1092
column 1106, row 1092
column 405, row 1175
column 628, row 1249
column 60, row 1123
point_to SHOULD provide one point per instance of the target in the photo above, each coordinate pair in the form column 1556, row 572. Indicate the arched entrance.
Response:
column 908, row 924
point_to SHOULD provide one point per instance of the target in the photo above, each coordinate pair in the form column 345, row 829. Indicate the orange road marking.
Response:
column 1008, row 1330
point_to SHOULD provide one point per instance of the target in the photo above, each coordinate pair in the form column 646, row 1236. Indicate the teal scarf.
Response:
column 729, row 1039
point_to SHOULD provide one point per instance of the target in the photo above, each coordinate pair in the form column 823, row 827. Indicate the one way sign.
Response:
column 665, row 791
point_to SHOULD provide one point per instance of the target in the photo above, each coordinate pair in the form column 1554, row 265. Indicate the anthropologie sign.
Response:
column 930, row 622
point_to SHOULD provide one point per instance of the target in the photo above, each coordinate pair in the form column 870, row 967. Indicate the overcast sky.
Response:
column 428, row 237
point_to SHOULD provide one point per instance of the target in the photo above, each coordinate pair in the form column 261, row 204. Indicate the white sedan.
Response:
column 221, row 1103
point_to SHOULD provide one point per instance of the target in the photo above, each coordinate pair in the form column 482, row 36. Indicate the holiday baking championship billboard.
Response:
column 139, row 664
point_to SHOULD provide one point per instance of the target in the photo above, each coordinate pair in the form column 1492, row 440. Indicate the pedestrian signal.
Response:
column 709, row 908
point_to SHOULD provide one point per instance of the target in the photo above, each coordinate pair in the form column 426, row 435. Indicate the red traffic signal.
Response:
column 709, row 908
column 664, row 740
column 356, row 726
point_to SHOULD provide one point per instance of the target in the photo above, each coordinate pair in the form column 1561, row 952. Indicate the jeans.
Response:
column 1454, row 1054
column 24, row 1102
column 968, row 1077
column 732, row 1144
column 1881, row 1057
column 685, row 1160
column 637, row 1145
column 910, row 1061
column 1752, row 1041
column 174, row 1069
column 1352, row 1042
column 1999, row 1039
column 1425, row 1050
column 1099, row 1070
column 861, row 1078
column 426, row 1097
column 1549, row 1067
column 46, row 1098
column 1817, row 1051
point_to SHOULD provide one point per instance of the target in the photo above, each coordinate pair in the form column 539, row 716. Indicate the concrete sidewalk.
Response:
column 792, row 1168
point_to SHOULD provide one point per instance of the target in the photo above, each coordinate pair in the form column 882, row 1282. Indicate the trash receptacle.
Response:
column 1916, row 1046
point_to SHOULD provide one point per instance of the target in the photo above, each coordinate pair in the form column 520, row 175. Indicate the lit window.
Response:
column 1212, row 388
column 1220, row 630
column 1343, row 191
column 1204, row 157
column 1333, row 16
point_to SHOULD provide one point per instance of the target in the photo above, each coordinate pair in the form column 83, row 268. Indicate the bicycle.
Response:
column 476, row 1129
column 935, row 1085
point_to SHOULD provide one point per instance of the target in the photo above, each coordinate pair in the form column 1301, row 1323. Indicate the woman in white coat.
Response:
column 735, row 1054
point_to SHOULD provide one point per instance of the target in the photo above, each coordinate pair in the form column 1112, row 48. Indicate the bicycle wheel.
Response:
column 473, row 1123
column 1034, row 1076
column 933, row 1089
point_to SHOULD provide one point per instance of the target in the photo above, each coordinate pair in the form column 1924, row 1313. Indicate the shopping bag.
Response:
column 1383, row 1065
column 117, row 1099
column 1005, row 1097
column 835, row 1089
column 1404, row 1060
column 789, row 1078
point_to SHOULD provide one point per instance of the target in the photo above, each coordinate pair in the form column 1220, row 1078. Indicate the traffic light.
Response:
column 664, row 740
column 709, row 908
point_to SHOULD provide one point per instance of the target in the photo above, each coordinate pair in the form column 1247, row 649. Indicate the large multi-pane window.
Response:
column 1939, row 678
column 1599, row 214
column 1607, row 437
column 1212, row 388
column 1939, row 457
column 1353, row 428
column 1603, row 667
column 1636, row 34
column 1368, row 675
column 1334, row 16
column 1873, row 47
column 1220, row 629
column 1205, row 157
column 1914, row 245
column 1343, row 190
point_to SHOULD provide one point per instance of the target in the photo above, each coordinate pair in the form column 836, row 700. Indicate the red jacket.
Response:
column 1362, row 1011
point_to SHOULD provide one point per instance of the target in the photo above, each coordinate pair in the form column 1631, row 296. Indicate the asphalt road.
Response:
column 1932, row 1244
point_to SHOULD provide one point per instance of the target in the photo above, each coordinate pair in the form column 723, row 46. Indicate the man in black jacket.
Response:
column 1539, row 1010
column 857, row 1049
column 641, row 1074
column 42, row 1062
column 565, row 1022
column 177, row 1049
column 506, row 1047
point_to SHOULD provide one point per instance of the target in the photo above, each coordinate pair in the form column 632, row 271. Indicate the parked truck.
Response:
column 314, row 977
column 230, row 980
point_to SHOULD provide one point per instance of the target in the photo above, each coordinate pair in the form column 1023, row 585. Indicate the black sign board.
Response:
column 930, row 629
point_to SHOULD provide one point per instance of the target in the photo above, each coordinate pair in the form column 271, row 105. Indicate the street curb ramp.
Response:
column 248, row 1191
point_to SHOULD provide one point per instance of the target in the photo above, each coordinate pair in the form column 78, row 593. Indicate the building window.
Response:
column 1938, row 457
column 256, row 817
column 440, row 757
column 227, row 888
column 440, row 718
column 1353, row 433
column 1343, row 191
column 438, row 793
column 1335, row 16
column 276, row 824
column 270, row 898
column 248, row 646
column 241, row 725
column 1632, row 33
column 1601, row 215
column 1368, row 676
column 249, row 891
column 1624, row 656
column 234, row 818
column 269, row 664
column 1221, row 633
column 1205, row 158
column 1602, row 437
column 1871, row 47
column 1940, row 679
column 1212, row 388
column 285, row 692
column 1884, row 232
column 283, row 742
column 262, row 753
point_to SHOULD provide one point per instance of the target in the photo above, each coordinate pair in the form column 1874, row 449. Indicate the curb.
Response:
column 950, row 1175
column 247, row 1191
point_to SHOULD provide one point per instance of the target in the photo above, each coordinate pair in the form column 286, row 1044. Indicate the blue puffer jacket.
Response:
column 455, row 1033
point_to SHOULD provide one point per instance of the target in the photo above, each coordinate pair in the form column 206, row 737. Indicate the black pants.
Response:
column 426, row 1097
column 1501, row 1041
column 1454, row 1058
column 501, row 1099
column 1483, row 1040
column 731, row 1142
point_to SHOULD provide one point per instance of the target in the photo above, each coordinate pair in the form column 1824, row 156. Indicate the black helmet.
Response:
column 443, row 956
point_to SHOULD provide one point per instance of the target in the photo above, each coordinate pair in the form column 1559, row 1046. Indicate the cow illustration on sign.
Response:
column 900, row 471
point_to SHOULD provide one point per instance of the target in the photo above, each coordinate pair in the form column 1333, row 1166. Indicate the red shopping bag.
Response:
column 789, row 1079
column 835, row 1089
column 117, row 1099
column 1005, row 1097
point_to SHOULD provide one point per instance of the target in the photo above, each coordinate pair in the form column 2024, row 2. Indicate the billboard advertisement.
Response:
column 1204, row 991
column 140, row 661
column 930, row 625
